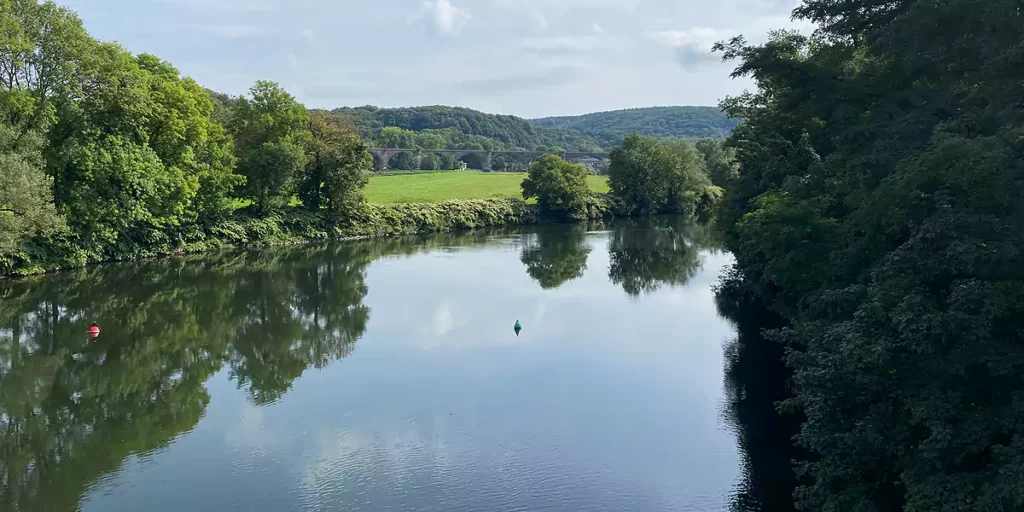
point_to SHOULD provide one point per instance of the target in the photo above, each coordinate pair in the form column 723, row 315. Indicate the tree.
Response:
column 130, row 156
column 650, row 178
column 878, row 209
column 560, row 187
column 394, row 137
column 691, row 181
column 271, row 133
column 44, row 51
column 26, row 203
column 336, row 169
column 430, row 162
column 720, row 162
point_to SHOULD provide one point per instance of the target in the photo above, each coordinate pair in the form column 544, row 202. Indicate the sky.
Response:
column 531, row 58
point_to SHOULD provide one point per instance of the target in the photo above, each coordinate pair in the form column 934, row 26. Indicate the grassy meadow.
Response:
column 442, row 186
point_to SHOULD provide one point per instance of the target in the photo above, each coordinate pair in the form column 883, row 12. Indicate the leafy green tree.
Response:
column 560, row 187
column 555, row 258
column 336, row 170
column 128, row 157
column 429, row 140
column 691, row 181
column 271, row 133
column 26, row 203
column 720, row 162
column 878, row 209
column 44, row 53
column 394, row 137
column 650, row 177
column 430, row 162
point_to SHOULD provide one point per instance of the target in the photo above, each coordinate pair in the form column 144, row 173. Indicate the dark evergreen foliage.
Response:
column 878, row 208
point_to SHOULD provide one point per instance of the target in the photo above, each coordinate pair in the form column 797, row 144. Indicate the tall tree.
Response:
column 271, row 131
column 26, row 203
column 337, row 165
column 44, row 51
column 131, row 156
column 650, row 177
column 878, row 206
column 720, row 162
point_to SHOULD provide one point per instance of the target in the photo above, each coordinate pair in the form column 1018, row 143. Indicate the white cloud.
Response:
column 611, row 54
column 447, row 18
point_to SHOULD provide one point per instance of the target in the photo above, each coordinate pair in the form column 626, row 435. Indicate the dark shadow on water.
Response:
column 756, row 381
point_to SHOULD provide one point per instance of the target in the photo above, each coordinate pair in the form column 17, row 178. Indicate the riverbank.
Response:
column 293, row 226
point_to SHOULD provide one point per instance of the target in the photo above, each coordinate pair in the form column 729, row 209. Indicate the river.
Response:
column 386, row 375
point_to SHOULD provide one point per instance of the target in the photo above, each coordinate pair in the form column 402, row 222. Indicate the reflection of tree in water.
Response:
column 294, row 315
column 756, row 381
column 649, row 253
column 72, row 408
column 556, row 255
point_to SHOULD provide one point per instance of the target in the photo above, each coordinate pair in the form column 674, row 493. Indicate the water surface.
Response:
column 378, row 376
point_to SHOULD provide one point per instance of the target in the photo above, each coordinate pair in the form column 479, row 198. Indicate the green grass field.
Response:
column 442, row 186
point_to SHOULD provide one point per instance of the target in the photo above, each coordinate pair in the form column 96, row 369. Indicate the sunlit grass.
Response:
column 443, row 186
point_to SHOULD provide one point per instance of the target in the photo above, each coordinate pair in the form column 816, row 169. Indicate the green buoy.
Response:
column 518, row 327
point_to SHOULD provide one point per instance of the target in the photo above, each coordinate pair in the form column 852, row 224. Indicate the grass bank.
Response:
column 289, row 226
column 444, row 186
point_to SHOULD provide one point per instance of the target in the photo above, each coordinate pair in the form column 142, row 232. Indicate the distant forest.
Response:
column 582, row 133
column 609, row 128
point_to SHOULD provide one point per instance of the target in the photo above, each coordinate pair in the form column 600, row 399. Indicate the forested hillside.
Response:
column 504, row 132
column 465, row 128
column 609, row 128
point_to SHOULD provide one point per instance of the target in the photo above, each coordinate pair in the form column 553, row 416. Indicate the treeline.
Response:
column 647, row 177
column 610, row 128
column 464, row 128
column 878, row 209
column 103, row 151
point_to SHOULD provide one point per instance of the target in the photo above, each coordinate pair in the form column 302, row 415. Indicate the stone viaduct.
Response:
column 382, row 156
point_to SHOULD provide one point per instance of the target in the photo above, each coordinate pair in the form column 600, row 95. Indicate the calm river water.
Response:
column 380, row 376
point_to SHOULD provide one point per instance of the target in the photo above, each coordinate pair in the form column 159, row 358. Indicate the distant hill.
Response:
column 509, row 131
column 579, row 133
column 609, row 128
column 464, row 128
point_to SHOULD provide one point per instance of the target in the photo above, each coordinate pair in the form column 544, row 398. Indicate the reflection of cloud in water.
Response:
column 443, row 321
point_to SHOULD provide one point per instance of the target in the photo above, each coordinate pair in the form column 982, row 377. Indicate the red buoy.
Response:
column 94, row 331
